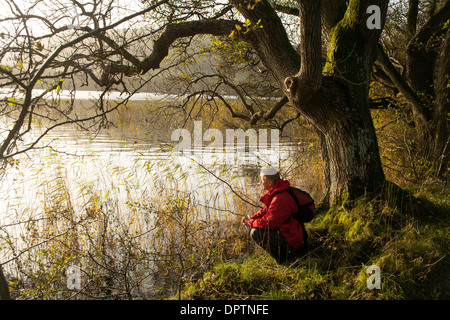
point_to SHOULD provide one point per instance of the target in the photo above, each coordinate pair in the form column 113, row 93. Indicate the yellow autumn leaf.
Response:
column 12, row 101
column 258, row 24
column 2, row 66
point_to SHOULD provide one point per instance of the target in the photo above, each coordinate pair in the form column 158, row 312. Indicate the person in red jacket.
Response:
column 272, row 227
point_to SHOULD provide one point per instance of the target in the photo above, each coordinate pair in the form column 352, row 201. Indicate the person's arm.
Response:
column 259, row 214
column 246, row 220
column 277, row 213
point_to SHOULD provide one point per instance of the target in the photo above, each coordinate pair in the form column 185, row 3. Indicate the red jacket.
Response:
column 279, row 206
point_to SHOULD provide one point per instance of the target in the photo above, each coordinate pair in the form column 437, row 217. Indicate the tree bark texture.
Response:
column 426, row 86
column 349, row 142
column 339, row 110
column 441, row 145
column 334, row 100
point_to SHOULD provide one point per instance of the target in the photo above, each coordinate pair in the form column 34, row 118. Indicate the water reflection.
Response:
column 110, row 164
column 80, row 172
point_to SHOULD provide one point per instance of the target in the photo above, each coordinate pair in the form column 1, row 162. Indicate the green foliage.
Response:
column 258, row 277
column 407, row 242
column 346, row 56
column 402, row 153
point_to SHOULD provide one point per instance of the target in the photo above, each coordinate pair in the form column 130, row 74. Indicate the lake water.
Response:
column 110, row 164
column 128, row 172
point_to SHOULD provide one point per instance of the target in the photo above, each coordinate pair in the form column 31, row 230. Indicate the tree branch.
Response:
column 421, row 51
column 401, row 84
column 286, row 9
column 411, row 16
column 271, row 41
column 309, row 79
column 271, row 113
column 8, row 142
column 181, row 30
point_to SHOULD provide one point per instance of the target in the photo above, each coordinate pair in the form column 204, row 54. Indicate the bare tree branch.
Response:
column 401, row 83
column 34, row 76
column 180, row 30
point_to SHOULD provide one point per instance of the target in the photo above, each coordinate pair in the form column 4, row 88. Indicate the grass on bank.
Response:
column 407, row 237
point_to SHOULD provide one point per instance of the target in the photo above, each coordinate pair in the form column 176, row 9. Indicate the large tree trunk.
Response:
column 441, row 143
column 334, row 100
column 339, row 109
column 428, row 67
column 349, row 142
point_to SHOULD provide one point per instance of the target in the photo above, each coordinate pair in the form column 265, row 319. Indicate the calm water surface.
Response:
column 125, row 172
column 128, row 170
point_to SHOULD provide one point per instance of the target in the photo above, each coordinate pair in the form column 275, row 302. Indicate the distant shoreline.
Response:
column 92, row 94
column 114, row 95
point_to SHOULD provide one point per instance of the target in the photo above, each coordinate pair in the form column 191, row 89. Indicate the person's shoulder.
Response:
column 281, row 195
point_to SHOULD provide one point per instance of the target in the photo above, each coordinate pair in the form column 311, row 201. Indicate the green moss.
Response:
column 346, row 60
column 410, row 249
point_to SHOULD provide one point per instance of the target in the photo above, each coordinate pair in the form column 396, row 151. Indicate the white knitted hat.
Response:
column 269, row 171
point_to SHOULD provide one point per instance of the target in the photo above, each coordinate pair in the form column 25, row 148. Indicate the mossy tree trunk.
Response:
column 335, row 98
column 349, row 140
column 427, row 70
column 425, row 82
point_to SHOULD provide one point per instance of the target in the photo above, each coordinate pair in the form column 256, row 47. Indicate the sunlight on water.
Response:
column 133, row 205
column 108, row 164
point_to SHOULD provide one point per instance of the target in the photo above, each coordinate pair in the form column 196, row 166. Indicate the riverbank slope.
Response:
column 406, row 236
